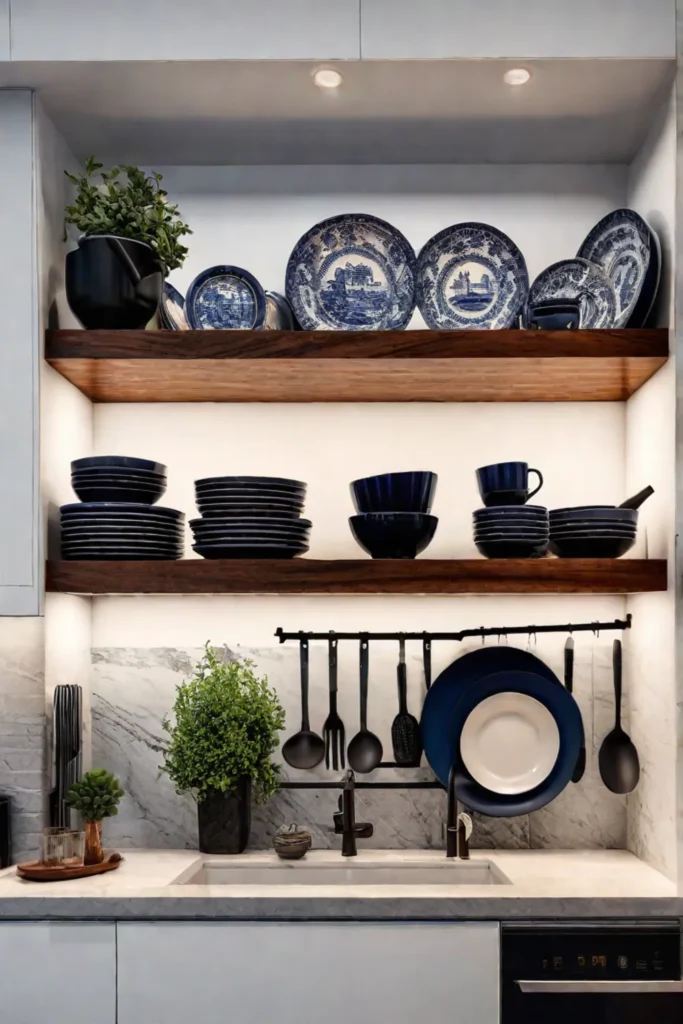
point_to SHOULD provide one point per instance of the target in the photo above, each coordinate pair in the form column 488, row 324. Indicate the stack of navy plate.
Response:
column 117, row 518
column 593, row 531
column 250, row 517
column 511, row 531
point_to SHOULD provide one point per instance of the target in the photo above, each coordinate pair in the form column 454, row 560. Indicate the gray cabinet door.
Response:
column 19, row 361
column 57, row 973
column 518, row 28
column 4, row 30
column 304, row 973
column 182, row 30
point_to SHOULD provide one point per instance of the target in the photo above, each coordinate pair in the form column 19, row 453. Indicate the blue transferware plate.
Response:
column 624, row 246
column 471, row 276
column 579, row 279
column 352, row 272
column 173, row 309
column 453, row 682
column 225, row 299
column 564, row 710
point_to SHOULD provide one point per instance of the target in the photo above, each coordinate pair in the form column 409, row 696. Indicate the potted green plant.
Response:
column 226, row 727
column 130, row 241
column 96, row 795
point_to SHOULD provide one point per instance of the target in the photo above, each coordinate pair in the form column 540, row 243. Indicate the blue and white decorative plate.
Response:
column 352, row 272
column 579, row 279
column 225, row 298
column 471, row 276
column 623, row 245
column 173, row 309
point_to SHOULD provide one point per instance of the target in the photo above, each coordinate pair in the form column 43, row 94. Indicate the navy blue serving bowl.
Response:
column 119, row 462
column 145, row 494
column 395, row 492
column 393, row 534
column 511, row 548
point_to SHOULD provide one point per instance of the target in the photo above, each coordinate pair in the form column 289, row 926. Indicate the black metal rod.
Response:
column 362, row 785
column 569, row 627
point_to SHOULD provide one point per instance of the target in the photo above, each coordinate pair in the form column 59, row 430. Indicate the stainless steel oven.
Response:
column 574, row 973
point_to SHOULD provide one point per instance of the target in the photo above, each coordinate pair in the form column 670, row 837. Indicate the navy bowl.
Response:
column 511, row 548
column 591, row 547
column 628, row 515
column 118, row 461
column 395, row 492
column 393, row 534
column 147, row 494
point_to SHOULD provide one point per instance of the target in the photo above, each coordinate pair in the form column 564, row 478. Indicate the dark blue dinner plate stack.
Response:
column 117, row 519
column 511, row 531
column 250, row 517
column 593, row 531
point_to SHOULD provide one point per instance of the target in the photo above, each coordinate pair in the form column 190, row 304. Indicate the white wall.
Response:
column 650, row 459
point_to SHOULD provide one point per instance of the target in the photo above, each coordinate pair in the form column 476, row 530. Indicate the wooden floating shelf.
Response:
column 366, row 576
column 364, row 366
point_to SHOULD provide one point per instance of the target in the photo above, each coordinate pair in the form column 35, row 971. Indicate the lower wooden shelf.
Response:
column 366, row 576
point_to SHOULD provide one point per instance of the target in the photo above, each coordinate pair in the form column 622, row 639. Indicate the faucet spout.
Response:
column 349, row 848
column 457, row 835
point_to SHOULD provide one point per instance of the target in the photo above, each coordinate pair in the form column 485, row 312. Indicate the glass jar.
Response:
column 63, row 848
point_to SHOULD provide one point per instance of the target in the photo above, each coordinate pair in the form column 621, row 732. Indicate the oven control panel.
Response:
column 592, row 954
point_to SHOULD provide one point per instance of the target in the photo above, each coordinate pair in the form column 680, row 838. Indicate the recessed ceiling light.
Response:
column 327, row 78
column 516, row 76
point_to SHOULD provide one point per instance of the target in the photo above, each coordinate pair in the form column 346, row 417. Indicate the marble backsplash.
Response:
column 134, row 688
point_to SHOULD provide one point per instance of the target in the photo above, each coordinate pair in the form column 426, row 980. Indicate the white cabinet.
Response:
column 57, row 972
column 539, row 29
column 304, row 973
column 4, row 29
column 20, row 569
column 180, row 30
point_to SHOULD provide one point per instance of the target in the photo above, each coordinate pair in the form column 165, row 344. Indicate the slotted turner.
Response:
column 405, row 729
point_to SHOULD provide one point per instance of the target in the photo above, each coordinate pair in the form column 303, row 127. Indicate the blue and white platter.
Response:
column 173, row 309
column 352, row 272
column 624, row 246
column 225, row 298
column 471, row 276
column 579, row 279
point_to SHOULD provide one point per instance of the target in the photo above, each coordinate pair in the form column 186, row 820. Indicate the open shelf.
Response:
column 368, row 366
column 366, row 576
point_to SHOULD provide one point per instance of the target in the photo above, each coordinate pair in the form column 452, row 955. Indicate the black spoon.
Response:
column 305, row 749
column 580, row 765
column 365, row 750
column 618, row 757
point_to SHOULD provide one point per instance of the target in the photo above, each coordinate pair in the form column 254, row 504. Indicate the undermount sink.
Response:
column 215, row 872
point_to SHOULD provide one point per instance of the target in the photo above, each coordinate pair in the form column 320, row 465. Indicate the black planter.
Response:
column 113, row 283
column 224, row 820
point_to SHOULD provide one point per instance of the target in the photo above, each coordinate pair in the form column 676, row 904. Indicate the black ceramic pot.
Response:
column 113, row 283
column 224, row 820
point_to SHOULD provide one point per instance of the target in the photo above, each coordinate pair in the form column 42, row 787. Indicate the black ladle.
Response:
column 305, row 749
column 618, row 757
column 637, row 500
column 365, row 749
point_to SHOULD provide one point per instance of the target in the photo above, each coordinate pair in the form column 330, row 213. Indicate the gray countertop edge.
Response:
column 172, row 908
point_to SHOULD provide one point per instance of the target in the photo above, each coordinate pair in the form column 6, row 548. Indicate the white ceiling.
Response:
column 250, row 112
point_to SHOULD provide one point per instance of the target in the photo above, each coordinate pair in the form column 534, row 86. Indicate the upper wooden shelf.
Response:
column 361, row 576
column 365, row 366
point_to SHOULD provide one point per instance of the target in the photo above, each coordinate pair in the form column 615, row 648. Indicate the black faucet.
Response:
column 457, row 844
column 345, row 818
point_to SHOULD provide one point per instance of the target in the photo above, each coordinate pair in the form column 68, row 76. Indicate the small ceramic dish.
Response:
column 225, row 298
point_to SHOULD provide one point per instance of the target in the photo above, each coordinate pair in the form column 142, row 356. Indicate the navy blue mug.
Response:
column 506, row 483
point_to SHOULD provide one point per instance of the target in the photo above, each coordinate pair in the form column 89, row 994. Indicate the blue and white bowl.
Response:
column 172, row 309
column 352, row 272
column 579, row 279
column 225, row 298
column 471, row 276
column 625, row 247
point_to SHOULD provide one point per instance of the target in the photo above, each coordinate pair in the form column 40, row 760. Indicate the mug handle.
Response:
column 540, row 482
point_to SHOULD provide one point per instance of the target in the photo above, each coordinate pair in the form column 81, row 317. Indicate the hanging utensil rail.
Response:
column 497, row 631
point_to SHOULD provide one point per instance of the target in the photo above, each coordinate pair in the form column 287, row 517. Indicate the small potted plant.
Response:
column 96, row 795
column 226, row 727
column 130, row 242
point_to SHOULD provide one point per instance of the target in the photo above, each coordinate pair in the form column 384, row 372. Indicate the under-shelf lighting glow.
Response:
column 516, row 76
column 327, row 78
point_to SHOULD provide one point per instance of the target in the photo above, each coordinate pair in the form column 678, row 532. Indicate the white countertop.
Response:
column 544, row 883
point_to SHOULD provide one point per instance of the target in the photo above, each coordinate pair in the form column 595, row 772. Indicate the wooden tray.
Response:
column 34, row 871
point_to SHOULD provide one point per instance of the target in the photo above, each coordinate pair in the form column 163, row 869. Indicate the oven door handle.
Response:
column 625, row 987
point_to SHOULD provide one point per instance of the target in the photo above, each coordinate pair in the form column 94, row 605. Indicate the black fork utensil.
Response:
column 333, row 729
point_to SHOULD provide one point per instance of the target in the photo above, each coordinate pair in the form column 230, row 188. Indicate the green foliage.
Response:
column 226, row 727
column 96, row 795
column 125, row 201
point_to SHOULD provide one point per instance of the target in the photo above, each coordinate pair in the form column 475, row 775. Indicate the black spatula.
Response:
column 405, row 729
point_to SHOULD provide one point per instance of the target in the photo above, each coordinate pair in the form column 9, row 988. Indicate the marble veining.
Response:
column 133, row 688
